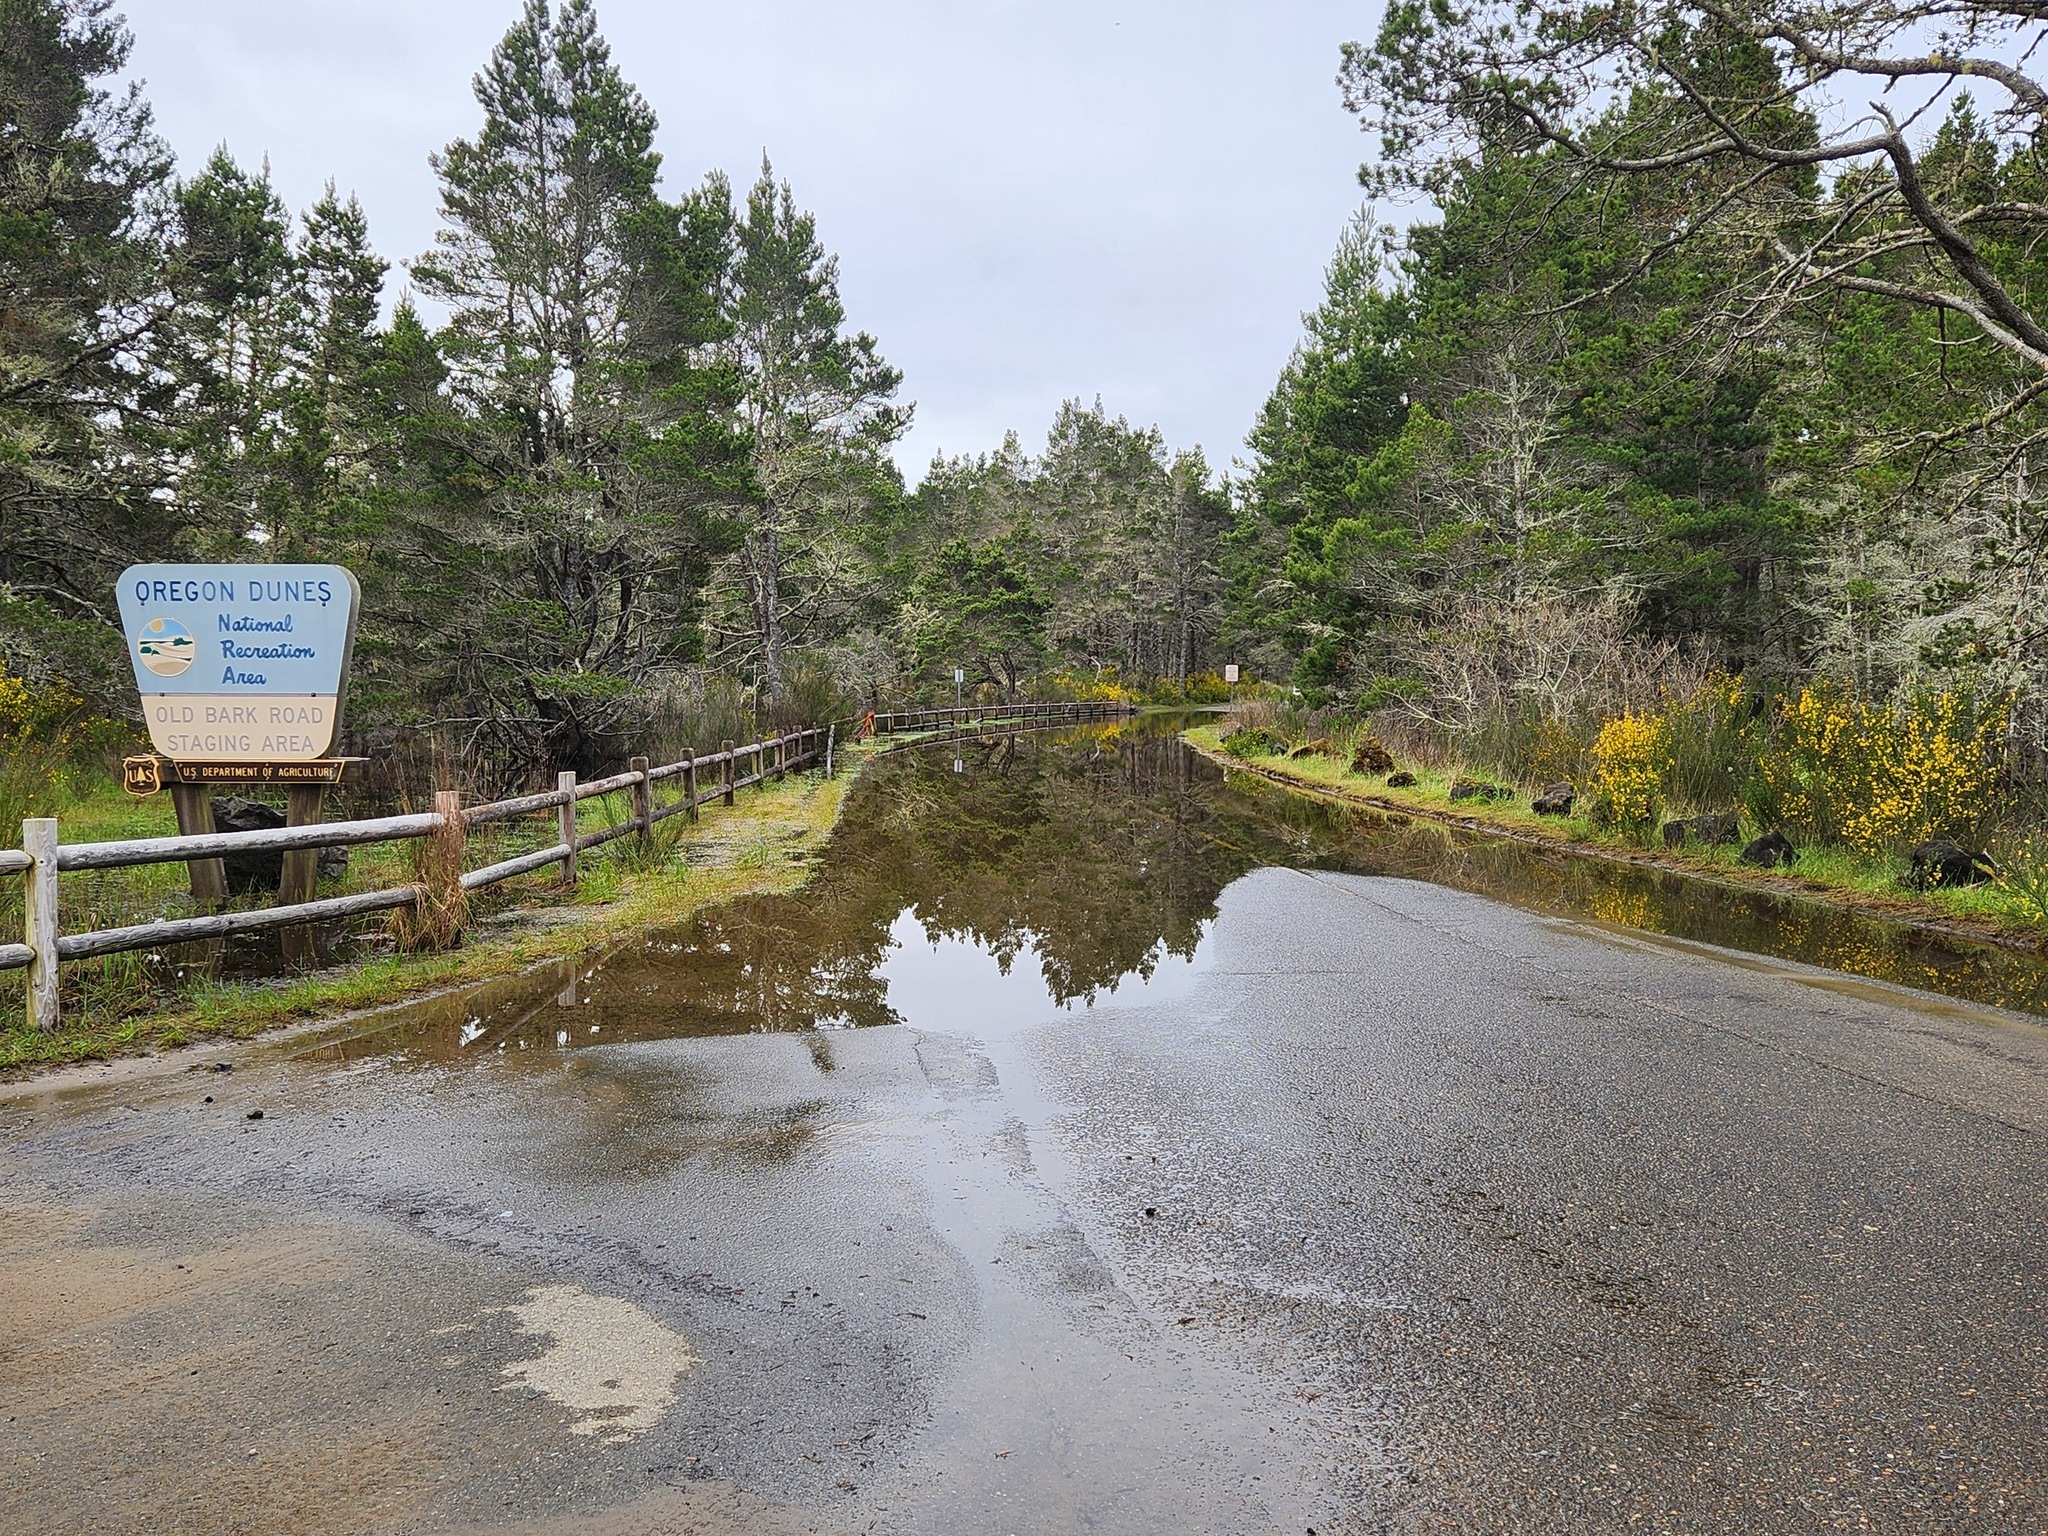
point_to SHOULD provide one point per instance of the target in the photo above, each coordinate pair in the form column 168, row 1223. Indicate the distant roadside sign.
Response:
column 1230, row 672
column 242, row 664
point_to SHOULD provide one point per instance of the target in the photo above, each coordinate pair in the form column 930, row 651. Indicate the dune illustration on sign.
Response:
column 166, row 647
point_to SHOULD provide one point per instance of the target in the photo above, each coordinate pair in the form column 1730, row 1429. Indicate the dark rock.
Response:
column 1943, row 864
column 1371, row 756
column 255, row 1114
column 1151, row 1210
column 1556, row 800
column 1714, row 828
column 1770, row 851
column 1402, row 780
column 1479, row 789
column 247, row 872
column 223, row 1066
column 1320, row 747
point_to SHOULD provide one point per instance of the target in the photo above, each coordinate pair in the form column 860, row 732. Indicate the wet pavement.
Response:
column 1095, row 1145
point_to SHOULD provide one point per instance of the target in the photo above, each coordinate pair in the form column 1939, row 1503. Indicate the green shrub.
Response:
column 2023, row 874
column 1253, row 741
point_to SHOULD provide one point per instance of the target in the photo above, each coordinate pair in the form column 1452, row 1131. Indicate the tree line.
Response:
column 600, row 449
column 1722, row 348
column 1690, row 368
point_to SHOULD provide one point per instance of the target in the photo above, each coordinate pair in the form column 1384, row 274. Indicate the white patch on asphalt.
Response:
column 608, row 1360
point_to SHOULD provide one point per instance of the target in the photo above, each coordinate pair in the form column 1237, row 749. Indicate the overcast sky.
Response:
column 1030, row 201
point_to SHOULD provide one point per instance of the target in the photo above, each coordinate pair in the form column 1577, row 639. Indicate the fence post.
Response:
column 760, row 769
column 39, row 842
column 194, row 805
column 831, row 736
column 781, row 758
column 643, row 800
column 300, row 872
column 565, row 821
column 732, row 770
column 690, row 781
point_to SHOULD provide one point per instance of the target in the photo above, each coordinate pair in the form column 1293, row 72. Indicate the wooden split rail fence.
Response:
column 714, row 776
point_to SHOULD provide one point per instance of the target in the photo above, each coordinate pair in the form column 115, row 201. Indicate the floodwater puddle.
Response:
column 613, row 1364
column 1021, row 874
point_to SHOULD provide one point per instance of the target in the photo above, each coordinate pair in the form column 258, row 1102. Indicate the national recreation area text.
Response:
column 246, row 641
column 226, row 633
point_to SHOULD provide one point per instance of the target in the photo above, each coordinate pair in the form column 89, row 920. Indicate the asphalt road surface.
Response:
column 1394, row 1210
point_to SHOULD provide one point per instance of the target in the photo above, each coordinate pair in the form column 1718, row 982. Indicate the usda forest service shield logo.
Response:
column 166, row 647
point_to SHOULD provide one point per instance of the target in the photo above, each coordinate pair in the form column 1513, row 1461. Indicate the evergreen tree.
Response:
column 227, row 347
column 976, row 605
column 577, row 300
column 817, row 406
column 81, row 175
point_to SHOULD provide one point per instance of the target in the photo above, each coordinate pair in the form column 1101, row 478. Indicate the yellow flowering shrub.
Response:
column 1201, row 688
column 37, row 724
column 1103, row 687
column 1628, row 772
column 1877, row 776
column 40, row 713
column 1932, row 770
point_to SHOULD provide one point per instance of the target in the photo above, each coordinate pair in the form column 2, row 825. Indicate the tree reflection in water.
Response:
column 1095, row 854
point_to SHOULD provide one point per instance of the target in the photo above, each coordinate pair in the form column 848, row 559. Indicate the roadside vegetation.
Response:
column 1680, row 448
column 1810, row 789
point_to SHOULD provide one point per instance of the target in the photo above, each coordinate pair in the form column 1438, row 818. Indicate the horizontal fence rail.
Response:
column 896, row 721
column 214, row 845
column 703, row 778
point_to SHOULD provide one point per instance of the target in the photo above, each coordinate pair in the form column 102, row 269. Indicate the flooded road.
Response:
column 1094, row 1145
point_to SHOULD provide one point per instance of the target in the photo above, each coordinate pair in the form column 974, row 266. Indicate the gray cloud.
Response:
column 1030, row 201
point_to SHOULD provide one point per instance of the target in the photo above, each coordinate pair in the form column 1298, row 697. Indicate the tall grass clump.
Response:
column 1709, row 751
column 697, row 713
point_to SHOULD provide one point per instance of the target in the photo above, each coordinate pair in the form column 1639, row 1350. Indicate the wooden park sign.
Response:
column 243, row 670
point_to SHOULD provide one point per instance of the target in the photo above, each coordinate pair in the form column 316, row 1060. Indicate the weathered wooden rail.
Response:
column 714, row 776
column 893, row 722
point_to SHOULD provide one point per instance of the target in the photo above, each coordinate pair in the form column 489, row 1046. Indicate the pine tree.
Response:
column 817, row 406
column 227, row 347
column 80, row 174
column 577, row 300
